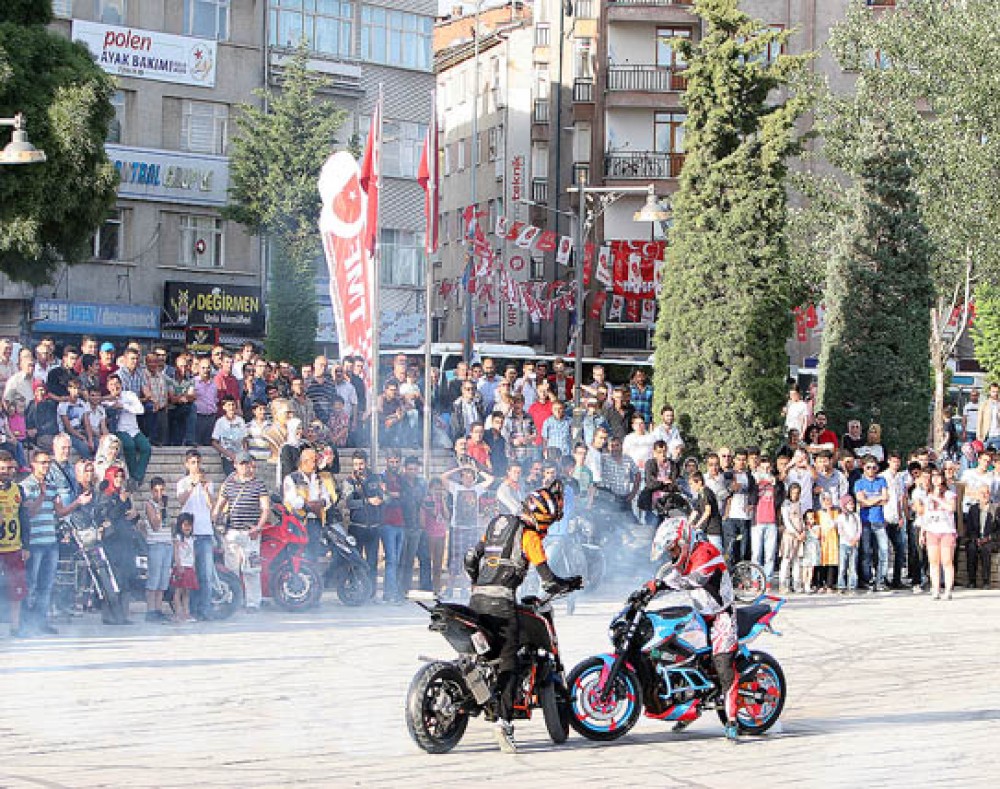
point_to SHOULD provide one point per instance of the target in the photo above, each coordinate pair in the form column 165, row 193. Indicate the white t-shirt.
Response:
column 797, row 417
column 230, row 434
column 197, row 504
column 738, row 508
column 639, row 448
column 95, row 415
column 75, row 413
column 971, row 414
column 973, row 479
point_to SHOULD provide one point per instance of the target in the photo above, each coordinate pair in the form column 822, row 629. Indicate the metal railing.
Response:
column 581, row 170
column 540, row 190
column 542, row 34
column 585, row 9
column 541, row 111
column 643, row 165
column 583, row 90
column 648, row 79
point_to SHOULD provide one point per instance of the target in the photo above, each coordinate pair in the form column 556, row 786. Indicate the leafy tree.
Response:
column 929, row 72
column 986, row 329
column 274, row 166
column 48, row 212
column 728, row 292
column 873, row 364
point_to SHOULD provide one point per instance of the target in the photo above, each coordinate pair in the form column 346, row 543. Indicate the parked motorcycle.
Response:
column 662, row 660
column 287, row 574
column 98, row 583
column 444, row 694
column 348, row 571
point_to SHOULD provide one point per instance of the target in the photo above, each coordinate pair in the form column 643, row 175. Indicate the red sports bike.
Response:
column 287, row 574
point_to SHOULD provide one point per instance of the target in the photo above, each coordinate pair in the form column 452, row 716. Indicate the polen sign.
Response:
column 149, row 54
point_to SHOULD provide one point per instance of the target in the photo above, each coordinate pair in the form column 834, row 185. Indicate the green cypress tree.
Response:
column 728, row 289
column 874, row 364
column 986, row 329
column 274, row 168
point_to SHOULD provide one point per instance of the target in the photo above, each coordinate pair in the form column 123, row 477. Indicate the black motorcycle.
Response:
column 444, row 694
column 348, row 572
column 99, row 582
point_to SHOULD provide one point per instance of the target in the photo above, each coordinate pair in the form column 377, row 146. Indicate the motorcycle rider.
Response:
column 700, row 568
column 497, row 566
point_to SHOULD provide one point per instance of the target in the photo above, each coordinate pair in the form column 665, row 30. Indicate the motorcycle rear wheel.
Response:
column 296, row 590
column 555, row 709
column 761, row 695
column 435, row 707
column 606, row 720
column 355, row 585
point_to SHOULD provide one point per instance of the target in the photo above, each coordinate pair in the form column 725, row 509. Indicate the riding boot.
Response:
column 724, row 670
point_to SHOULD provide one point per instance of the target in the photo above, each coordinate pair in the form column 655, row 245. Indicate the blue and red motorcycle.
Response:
column 662, row 661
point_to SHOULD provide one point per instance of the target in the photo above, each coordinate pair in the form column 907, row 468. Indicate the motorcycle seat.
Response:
column 748, row 616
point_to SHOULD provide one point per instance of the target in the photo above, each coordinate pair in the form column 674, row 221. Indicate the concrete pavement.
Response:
column 883, row 690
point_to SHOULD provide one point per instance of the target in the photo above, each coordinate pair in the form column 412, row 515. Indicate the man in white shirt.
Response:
column 796, row 412
column 135, row 446
column 970, row 415
column 195, row 495
column 667, row 431
column 894, row 511
column 305, row 494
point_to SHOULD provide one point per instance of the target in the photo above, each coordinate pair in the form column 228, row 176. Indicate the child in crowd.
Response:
column 829, row 544
column 16, row 419
column 95, row 419
column 184, row 578
column 340, row 422
column 849, row 531
column 436, row 516
column 793, row 535
column 257, row 444
column 811, row 550
column 409, row 390
column 70, row 413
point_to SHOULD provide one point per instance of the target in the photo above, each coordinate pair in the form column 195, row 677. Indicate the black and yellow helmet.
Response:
column 545, row 505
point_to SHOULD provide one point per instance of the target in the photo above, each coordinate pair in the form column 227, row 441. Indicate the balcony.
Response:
column 543, row 34
column 642, row 165
column 581, row 170
column 583, row 90
column 646, row 79
column 540, row 190
column 665, row 11
column 540, row 114
column 586, row 9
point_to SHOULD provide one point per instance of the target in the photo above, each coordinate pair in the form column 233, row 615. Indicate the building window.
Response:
column 403, row 260
column 775, row 48
column 494, row 142
column 111, row 12
column 583, row 61
column 201, row 241
column 667, row 55
column 117, row 125
column 204, row 125
column 669, row 132
column 325, row 25
column 62, row 8
column 207, row 18
column 402, row 146
column 109, row 240
column 396, row 38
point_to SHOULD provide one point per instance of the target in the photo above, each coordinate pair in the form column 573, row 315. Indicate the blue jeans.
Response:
column 41, row 576
column 764, row 543
column 897, row 536
column 201, row 598
column 392, row 545
column 865, row 555
column 81, row 448
column 848, row 578
column 881, row 542
column 136, row 450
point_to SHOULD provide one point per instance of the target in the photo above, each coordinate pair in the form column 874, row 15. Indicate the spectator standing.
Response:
column 42, row 417
column 156, row 423
column 800, row 472
column 487, row 385
column 244, row 500
column 970, row 416
column 739, row 509
column 477, row 448
column 705, row 509
column 793, row 537
column 59, row 377
column 436, row 516
column 21, row 382
column 229, row 435
column 118, row 512
column 849, row 534
column 872, row 493
column 184, row 577
column 796, row 412
column 982, row 531
column 466, row 411
column 180, row 400
column 895, row 511
column 873, row 444
column 642, row 396
column 8, row 365
column 556, row 431
column 939, row 535
column 206, row 403
column 520, row 432
column 160, row 559
column 509, row 492
column 667, row 431
column 413, row 493
column 391, row 531
column 195, row 494
column 638, row 444
column 764, row 528
column 360, row 391
column 527, row 385
column 321, row 388
column 13, row 553
column 988, row 419
column 829, row 479
column 619, row 476
column 852, row 440
column 392, row 413
column 619, row 414
column 288, row 460
column 227, row 384
column 38, row 535
column 829, row 549
column 560, row 382
column 466, row 488
column 364, row 493
column 811, row 550
column 497, row 444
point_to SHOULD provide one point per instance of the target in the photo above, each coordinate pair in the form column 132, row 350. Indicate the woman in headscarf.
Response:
column 290, row 450
column 118, row 515
column 109, row 455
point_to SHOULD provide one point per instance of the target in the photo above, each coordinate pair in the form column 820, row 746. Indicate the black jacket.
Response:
column 972, row 525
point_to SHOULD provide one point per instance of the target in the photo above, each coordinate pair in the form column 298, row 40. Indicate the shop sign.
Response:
column 168, row 176
column 79, row 317
column 230, row 308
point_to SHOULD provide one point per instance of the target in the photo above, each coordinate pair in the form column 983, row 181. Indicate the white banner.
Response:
column 149, row 54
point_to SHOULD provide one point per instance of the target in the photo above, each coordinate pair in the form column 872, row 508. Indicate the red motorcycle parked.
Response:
column 288, row 575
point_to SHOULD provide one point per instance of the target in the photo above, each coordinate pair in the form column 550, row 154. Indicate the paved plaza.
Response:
column 883, row 691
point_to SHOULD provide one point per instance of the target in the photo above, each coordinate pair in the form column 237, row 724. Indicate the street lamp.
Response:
column 19, row 150
column 651, row 211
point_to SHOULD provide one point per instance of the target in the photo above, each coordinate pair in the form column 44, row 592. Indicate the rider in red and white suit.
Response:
column 700, row 569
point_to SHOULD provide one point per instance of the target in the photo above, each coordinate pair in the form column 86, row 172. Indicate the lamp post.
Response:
column 651, row 211
column 19, row 150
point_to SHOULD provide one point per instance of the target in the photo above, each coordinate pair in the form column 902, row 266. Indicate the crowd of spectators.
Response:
column 826, row 512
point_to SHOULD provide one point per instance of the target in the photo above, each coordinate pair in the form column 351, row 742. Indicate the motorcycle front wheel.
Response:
column 227, row 593
column 761, row 694
column 607, row 719
column 555, row 710
column 435, row 708
column 354, row 584
column 295, row 590
column 109, row 597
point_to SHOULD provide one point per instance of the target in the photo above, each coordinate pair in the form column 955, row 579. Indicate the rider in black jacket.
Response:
column 497, row 566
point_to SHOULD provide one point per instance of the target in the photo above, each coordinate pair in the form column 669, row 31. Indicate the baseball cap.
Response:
column 107, row 346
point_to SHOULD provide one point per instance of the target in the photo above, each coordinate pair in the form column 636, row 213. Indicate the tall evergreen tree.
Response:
column 274, row 166
column 49, row 211
column 727, row 295
column 873, row 364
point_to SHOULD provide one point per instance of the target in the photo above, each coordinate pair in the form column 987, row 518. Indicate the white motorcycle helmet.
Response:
column 672, row 541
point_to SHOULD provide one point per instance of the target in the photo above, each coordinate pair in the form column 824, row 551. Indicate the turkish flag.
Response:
column 371, row 169
column 428, row 178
